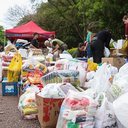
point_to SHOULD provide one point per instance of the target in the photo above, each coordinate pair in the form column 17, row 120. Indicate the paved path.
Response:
column 10, row 116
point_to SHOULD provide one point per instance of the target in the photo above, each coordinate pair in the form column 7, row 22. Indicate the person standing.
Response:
column 125, row 20
column 89, row 37
column 34, row 41
column 99, row 42
column 88, row 40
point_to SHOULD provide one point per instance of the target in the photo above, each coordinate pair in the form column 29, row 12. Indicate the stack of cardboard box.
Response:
column 117, row 56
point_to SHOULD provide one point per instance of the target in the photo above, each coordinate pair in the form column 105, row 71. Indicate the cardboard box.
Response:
column 117, row 52
column 48, row 111
column 114, row 61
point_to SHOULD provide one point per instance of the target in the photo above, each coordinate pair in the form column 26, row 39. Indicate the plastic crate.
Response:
column 83, row 59
column 9, row 88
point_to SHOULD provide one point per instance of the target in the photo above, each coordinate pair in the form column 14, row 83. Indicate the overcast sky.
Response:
column 5, row 5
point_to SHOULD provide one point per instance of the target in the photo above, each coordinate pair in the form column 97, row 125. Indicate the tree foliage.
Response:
column 70, row 18
column 2, row 35
column 16, row 14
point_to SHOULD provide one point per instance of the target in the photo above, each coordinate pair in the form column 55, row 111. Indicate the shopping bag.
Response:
column 14, row 68
column 106, row 52
column 105, row 117
column 120, row 106
column 120, row 83
column 101, row 81
column 77, row 111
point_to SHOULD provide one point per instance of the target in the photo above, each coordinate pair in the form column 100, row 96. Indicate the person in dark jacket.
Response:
column 34, row 41
column 99, row 42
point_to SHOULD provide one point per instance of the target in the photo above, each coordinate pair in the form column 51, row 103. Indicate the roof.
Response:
column 28, row 28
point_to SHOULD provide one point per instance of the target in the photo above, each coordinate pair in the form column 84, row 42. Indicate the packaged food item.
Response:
column 57, row 90
column 77, row 110
column 27, row 102
column 35, row 77
column 62, row 76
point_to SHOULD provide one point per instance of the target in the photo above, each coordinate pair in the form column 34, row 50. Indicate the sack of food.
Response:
column 77, row 110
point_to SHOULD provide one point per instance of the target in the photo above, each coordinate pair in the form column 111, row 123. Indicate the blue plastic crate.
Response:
column 83, row 59
column 9, row 88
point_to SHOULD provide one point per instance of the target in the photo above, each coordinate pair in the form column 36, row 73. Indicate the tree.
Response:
column 2, row 35
column 16, row 14
column 70, row 18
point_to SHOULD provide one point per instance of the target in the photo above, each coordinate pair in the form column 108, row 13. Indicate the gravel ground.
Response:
column 10, row 117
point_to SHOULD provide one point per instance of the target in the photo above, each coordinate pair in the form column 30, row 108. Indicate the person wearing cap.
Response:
column 48, row 45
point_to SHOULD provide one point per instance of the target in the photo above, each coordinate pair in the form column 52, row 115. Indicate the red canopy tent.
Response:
column 26, row 31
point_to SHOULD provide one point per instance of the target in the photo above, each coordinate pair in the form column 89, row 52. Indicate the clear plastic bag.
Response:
column 56, row 90
column 120, row 84
column 120, row 106
column 101, row 79
column 106, row 52
column 105, row 116
column 77, row 110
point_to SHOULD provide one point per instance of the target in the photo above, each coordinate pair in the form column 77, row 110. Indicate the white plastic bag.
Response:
column 61, row 64
column 101, row 79
column 123, row 71
column 65, row 56
column 56, row 90
column 120, row 106
column 120, row 43
column 105, row 117
column 78, row 109
column 90, row 75
column 23, row 53
column 106, row 52
column 119, row 85
column 49, row 57
column 76, row 65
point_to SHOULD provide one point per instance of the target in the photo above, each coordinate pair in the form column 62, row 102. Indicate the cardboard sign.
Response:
column 48, row 111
